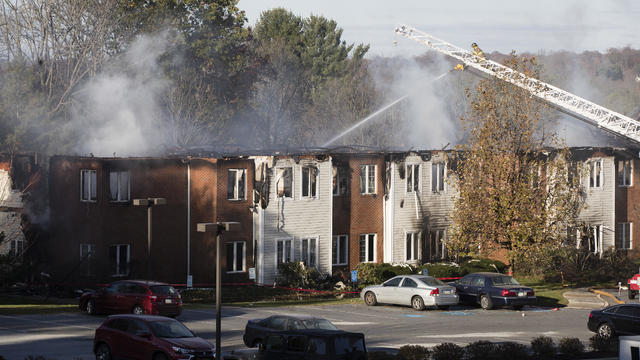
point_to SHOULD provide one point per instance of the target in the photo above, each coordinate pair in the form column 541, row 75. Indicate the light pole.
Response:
column 149, row 203
column 219, row 228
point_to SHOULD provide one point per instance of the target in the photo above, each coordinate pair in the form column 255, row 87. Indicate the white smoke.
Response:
column 119, row 110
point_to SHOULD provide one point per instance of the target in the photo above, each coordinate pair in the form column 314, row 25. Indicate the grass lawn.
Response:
column 548, row 294
column 14, row 305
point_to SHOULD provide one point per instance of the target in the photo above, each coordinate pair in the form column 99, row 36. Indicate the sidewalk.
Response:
column 582, row 298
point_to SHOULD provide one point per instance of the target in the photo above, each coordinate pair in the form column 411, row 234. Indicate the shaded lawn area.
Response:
column 549, row 294
column 16, row 305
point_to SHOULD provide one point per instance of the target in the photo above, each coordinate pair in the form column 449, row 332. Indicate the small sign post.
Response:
column 425, row 272
column 354, row 276
column 252, row 273
column 189, row 281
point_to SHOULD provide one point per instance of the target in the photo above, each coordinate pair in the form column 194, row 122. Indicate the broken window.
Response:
column 340, row 182
column 437, row 177
column 437, row 248
column 412, row 246
column 284, row 182
column 367, row 247
column 309, row 181
column 119, row 258
column 340, row 250
column 119, row 186
column 413, row 178
column 236, row 184
column 595, row 173
column 86, row 252
column 308, row 250
column 367, row 179
column 88, row 185
column 283, row 251
column 235, row 256
column 624, row 173
column 624, row 236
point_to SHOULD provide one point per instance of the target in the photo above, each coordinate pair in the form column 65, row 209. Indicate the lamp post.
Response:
column 149, row 203
column 219, row 228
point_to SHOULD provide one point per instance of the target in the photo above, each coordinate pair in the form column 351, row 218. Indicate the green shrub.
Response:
column 602, row 344
column 370, row 273
column 571, row 346
column 543, row 347
column 441, row 270
column 482, row 265
column 510, row 350
column 380, row 355
column 480, row 350
column 447, row 351
column 413, row 352
column 295, row 274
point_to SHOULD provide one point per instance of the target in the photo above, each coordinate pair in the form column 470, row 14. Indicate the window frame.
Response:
column 411, row 185
column 438, row 184
column 625, row 174
column 304, row 256
column 235, row 257
column 366, row 171
column 415, row 245
column 277, row 179
column 367, row 250
column 340, row 189
column 236, row 186
column 596, row 182
column 92, row 184
column 312, row 186
column 337, row 239
column 118, row 195
column 16, row 247
column 90, row 250
column 439, row 242
column 626, row 230
column 128, row 263
column 291, row 253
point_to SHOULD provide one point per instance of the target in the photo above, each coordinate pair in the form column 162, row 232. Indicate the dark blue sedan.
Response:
column 494, row 290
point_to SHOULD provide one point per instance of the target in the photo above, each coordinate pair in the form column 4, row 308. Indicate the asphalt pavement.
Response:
column 70, row 335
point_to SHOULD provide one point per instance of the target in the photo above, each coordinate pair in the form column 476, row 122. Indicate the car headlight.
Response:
column 180, row 350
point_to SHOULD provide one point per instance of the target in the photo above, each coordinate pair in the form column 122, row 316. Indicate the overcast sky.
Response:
column 496, row 25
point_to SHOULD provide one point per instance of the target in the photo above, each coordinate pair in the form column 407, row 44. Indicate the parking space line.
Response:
column 46, row 322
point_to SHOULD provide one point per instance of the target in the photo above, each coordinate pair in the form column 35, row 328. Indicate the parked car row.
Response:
column 488, row 290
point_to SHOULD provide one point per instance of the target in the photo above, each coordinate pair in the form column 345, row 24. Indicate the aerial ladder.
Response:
column 573, row 105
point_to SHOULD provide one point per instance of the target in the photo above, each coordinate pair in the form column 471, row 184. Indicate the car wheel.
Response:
column 518, row 307
column 103, row 352
column 417, row 303
column 442, row 307
column 91, row 307
column 160, row 356
column 370, row 298
column 137, row 310
column 605, row 330
column 486, row 303
column 632, row 294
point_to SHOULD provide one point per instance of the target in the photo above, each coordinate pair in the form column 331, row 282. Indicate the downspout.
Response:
column 188, row 221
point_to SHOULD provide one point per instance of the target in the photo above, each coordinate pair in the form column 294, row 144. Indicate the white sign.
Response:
column 189, row 281
column 252, row 273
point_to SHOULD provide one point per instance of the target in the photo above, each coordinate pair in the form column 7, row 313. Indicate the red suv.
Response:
column 133, row 296
column 148, row 337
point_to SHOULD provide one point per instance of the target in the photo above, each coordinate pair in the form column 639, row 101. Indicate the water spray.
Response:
column 381, row 110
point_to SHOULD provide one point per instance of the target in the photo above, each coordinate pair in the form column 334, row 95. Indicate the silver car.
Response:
column 415, row 290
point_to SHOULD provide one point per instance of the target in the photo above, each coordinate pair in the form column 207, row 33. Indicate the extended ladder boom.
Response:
column 564, row 101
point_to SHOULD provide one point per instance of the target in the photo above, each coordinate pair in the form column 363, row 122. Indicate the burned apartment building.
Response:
column 329, row 210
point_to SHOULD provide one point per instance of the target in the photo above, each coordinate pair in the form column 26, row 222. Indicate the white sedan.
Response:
column 415, row 290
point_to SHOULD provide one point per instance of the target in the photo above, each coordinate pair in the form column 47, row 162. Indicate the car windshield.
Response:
column 163, row 290
column 170, row 329
column 318, row 324
column 431, row 281
column 503, row 280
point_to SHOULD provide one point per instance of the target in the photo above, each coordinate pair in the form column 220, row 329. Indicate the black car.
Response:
column 257, row 329
column 308, row 344
column 494, row 290
column 614, row 320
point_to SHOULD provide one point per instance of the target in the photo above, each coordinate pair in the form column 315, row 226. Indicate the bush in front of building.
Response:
column 441, row 270
column 413, row 352
column 480, row 350
column 603, row 344
column 482, row 265
column 296, row 275
column 571, row 347
column 447, row 351
column 371, row 273
column 511, row 350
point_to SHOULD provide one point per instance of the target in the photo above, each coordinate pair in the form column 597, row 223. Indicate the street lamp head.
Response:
column 211, row 227
column 140, row 202
column 158, row 201
column 149, row 202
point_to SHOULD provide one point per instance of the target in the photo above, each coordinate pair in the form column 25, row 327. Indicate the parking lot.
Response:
column 69, row 335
